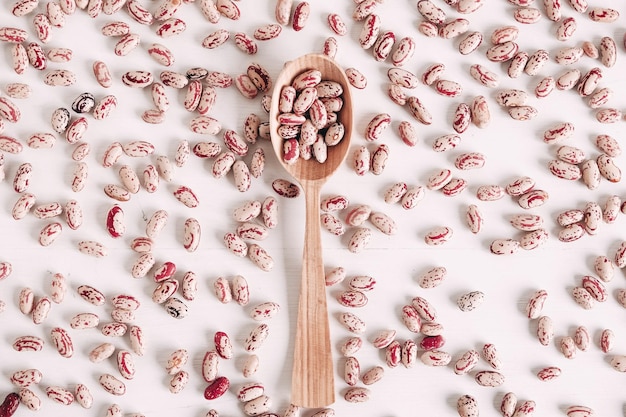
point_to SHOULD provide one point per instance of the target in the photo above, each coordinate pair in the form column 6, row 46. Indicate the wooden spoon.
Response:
column 312, row 380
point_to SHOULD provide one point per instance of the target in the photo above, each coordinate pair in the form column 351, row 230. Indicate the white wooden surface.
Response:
column 512, row 149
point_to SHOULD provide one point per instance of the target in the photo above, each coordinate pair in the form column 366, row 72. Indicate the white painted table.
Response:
column 512, row 149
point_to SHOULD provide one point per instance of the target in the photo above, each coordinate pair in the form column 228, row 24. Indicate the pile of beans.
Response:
column 307, row 119
column 133, row 140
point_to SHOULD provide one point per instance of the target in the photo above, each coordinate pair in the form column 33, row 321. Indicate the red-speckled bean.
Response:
column 60, row 395
column 466, row 362
column 438, row 236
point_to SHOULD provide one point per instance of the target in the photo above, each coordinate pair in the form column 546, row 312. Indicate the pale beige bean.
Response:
column 432, row 278
column 126, row 44
column 603, row 14
column 83, row 396
column 393, row 354
column 428, row 29
column 30, row 399
column 608, row 51
column 517, row 64
column 470, row 301
column 28, row 344
column 545, row 330
column 403, row 51
column 583, row 298
column 419, row 111
column 564, row 170
column 600, row 98
column 591, row 173
column 448, row 88
column 438, row 236
column 433, row 73
column 186, row 196
column 112, row 385
column 470, row 43
column 352, row 371
column 126, row 364
column 568, row 79
column 608, row 169
column 571, row 233
column 431, row 12
column 527, row 15
column 512, row 98
column 84, row 321
column 424, row 308
column 26, row 377
column 608, row 145
column 467, row 406
column 579, row 5
column 474, row 218
column 351, row 346
column 502, row 52
column 222, row 290
column 352, row 322
column 466, row 362
column 568, row 56
column 178, row 382
column 484, row 76
column 604, row 268
column 267, row 32
column 361, row 160
column 411, row 318
column 559, row 132
column 373, row 375
column 176, row 361
column 592, row 217
column 369, row 31
column 453, row 28
column 60, row 395
column 589, row 82
column 24, row 7
column 408, row 353
column 533, row 198
column 527, row 222
column 504, row 246
column 480, row 113
column 250, row 366
column 377, row 125
column 545, row 87
column 490, row 192
column 566, row 29
column 435, row 358
column 260, row 257
column 360, row 239
column 23, row 205
column 549, row 373
column 618, row 362
column 446, row 142
column 536, row 61
column 568, row 347
column 582, row 338
column 101, row 352
column 504, row 34
column 26, row 300
column 607, row 340
column 508, row 405
column 121, row 315
column 384, row 339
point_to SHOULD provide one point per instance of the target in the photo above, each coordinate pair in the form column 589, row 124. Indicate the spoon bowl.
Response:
column 311, row 169
column 312, row 380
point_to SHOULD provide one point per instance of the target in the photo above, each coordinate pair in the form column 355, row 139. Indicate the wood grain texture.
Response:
column 312, row 380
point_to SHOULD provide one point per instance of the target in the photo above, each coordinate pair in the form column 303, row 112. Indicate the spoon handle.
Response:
column 312, row 381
